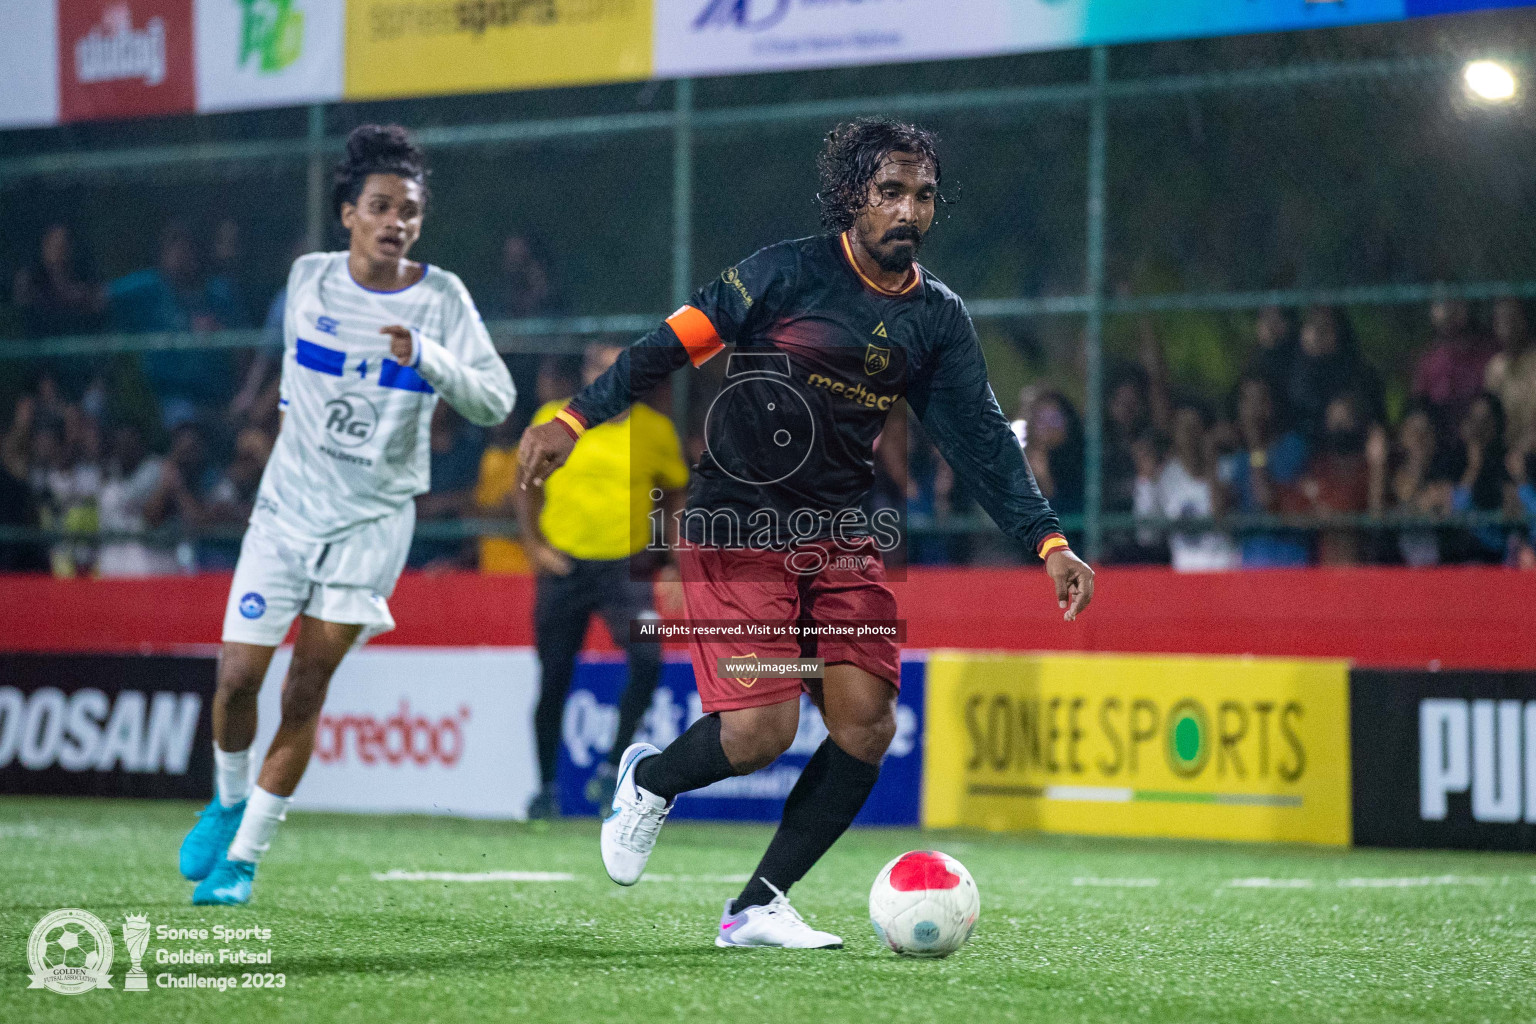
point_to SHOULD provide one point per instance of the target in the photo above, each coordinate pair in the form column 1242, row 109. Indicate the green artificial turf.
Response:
column 1070, row 930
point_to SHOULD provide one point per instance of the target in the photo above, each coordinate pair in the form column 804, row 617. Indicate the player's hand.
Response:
column 1073, row 580
column 543, row 450
column 548, row 561
column 400, row 344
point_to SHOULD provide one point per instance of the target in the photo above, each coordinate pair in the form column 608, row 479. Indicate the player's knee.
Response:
column 237, row 680
column 869, row 739
column 304, row 690
column 757, row 743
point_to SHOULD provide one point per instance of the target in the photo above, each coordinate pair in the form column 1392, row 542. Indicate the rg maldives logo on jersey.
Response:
column 124, row 58
column 404, row 738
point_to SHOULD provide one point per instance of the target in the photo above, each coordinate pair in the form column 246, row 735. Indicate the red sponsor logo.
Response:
column 402, row 738
column 124, row 58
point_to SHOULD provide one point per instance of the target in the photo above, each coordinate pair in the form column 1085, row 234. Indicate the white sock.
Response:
column 258, row 825
column 232, row 773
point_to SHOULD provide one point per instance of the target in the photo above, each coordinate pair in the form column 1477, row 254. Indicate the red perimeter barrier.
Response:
column 1458, row 618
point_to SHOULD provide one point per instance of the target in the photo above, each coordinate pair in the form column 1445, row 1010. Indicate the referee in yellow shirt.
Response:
column 585, row 532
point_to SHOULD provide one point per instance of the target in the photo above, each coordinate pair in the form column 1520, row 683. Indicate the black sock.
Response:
column 824, row 802
column 692, row 761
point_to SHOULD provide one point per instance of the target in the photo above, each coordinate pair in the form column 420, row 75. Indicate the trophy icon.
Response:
column 136, row 938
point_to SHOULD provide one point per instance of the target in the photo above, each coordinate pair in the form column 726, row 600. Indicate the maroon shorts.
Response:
column 752, row 585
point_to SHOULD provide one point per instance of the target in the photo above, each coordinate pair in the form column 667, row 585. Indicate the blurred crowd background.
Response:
column 1234, row 434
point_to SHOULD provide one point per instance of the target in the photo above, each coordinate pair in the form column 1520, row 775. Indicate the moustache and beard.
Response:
column 901, row 257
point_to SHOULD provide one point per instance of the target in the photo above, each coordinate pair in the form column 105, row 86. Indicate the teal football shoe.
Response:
column 206, row 844
column 228, row 884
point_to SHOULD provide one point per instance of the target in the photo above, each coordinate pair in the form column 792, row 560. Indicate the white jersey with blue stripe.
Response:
column 354, row 442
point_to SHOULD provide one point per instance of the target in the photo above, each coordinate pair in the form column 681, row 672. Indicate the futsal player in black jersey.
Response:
column 823, row 336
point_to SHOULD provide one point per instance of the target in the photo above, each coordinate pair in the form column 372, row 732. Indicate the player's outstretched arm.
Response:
column 713, row 318
column 479, row 389
column 955, row 403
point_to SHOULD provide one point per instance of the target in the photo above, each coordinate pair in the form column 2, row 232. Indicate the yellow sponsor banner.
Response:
column 427, row 47
column 1186, row 747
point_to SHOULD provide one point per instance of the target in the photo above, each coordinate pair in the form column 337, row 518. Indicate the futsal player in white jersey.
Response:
column 371, row 340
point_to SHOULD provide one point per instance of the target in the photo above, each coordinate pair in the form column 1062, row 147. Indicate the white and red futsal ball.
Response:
column 924, row 903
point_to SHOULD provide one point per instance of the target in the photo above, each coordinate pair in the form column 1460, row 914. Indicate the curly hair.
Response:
column 376, row 149
column 854, row 152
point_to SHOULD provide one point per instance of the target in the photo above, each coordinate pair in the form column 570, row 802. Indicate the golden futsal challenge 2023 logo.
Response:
column 70, row 952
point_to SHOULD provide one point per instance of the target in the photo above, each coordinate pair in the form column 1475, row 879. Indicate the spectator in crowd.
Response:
column 1328, row 363
column 53, row 294
column 228, row 268
column 1450, row 373
column 174, row 296
column 1511, row 373
column 1484, row 484
column 56, row 296
column 185, row 477
column 46, row 456
column 132, row 477
column 1521, row 465
column 256, row 403
column 18, row 502
column 72, row 490
column 1149, row 452
column 229, row 500
column 1185, row 488
column 1413, row 477
column 1337, row 478
column 1138, row 405
column 523, row 288
column 455, row 449
column 1260, row 473
column 1053, row 443
column 1274, row 354
column 1126, row 421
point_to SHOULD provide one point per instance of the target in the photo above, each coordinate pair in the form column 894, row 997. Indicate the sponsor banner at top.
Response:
column 716, row 37
column 29, row 53
column 1123, row 21
column 1198, row 748
column 720, row 37
column 267, row 53
column 124, row 58
column 80, row 59
column 430, row 47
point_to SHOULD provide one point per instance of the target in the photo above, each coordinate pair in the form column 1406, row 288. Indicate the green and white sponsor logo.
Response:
column 1188, row 749
column 271, row 34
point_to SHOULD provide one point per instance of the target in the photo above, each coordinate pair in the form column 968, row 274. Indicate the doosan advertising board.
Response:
column 106, row 725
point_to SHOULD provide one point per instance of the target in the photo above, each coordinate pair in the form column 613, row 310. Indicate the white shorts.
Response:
column 347, row 581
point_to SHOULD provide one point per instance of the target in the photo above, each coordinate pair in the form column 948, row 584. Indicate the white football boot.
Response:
column 776, row 924
column 634, row 820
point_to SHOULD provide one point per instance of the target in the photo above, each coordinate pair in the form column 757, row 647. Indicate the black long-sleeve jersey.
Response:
column 818, row 353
